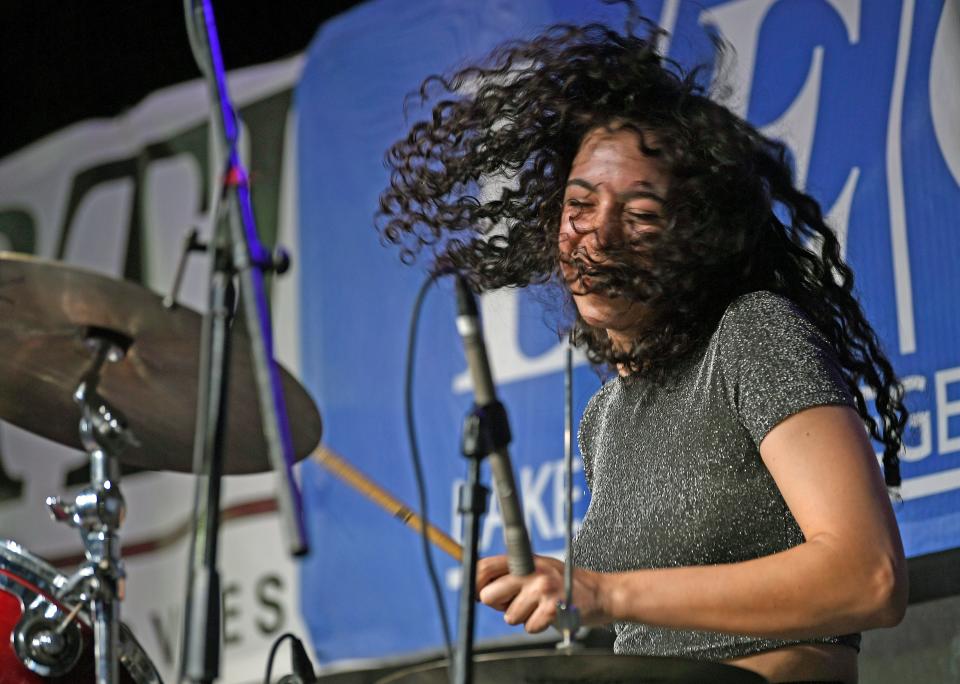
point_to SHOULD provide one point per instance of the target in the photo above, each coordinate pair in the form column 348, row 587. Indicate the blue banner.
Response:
column 864, row 93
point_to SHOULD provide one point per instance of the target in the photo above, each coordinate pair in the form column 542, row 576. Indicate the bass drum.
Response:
column 29, row 609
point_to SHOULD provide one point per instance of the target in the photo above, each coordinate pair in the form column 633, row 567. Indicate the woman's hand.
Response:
column 532, row 599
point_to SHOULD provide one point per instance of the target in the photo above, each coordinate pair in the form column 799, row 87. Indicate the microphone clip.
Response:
column 485, row 429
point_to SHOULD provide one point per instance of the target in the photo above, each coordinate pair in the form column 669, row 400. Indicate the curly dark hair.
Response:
column 734, row 221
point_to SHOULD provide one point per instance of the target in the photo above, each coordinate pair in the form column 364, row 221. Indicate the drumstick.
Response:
column 339, row 466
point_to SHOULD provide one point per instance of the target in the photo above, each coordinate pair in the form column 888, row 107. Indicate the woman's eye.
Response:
column 643, row 217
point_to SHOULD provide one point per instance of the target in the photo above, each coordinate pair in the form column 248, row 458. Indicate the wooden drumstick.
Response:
column 339, row 466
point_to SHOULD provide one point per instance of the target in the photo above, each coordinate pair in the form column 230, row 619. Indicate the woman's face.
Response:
column 614, row 193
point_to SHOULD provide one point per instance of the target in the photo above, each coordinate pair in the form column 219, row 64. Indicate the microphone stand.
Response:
column 486, row 433
column 472, row 504
column 237, row 254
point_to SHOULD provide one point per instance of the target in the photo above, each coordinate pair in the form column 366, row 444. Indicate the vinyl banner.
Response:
column 865, row 93
column 116, row 196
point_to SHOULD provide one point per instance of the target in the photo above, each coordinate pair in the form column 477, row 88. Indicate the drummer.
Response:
column 737, row 510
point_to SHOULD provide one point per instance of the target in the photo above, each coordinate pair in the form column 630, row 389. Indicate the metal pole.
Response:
column 568, row 617
column 472, row 506
column 568, row 475
column 201, row 641
column 238, row 252
column 250, row 260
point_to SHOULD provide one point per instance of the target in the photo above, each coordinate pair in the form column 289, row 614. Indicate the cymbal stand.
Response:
column 237, row 254
column 97, row 511
column 568, row 617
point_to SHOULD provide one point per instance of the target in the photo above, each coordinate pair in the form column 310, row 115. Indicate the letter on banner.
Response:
column 946, row 409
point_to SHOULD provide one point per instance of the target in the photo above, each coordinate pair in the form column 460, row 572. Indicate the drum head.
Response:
column 597, row 667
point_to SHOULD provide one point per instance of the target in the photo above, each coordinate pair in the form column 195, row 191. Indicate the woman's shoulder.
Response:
column 601, row 398
column 763, row 318
column 761, row 305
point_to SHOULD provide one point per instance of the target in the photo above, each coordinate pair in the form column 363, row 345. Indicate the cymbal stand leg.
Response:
column 98, row 511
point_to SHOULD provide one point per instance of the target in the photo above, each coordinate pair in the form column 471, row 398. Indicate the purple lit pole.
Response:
column 237, row 252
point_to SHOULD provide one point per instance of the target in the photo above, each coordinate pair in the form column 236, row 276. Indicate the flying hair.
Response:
column 734, row 221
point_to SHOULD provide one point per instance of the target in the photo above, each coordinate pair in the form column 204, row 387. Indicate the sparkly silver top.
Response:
column 675, row 472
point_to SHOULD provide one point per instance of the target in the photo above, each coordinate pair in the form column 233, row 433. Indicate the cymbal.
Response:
column 580, row 666
column 46, row 311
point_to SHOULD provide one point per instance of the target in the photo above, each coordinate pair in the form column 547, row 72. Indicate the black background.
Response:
column 62, row 61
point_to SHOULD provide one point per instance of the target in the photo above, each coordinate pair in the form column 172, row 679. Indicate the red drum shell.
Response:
column 26, row 580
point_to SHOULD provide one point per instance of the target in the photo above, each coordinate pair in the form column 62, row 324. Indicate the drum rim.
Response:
column 30, row 569
column 494, row 656
column 38, row 571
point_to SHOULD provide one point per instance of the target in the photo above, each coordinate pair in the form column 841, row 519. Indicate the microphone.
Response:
column 519, row 555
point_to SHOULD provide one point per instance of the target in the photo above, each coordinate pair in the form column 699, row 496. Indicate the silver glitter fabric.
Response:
column 675, row 472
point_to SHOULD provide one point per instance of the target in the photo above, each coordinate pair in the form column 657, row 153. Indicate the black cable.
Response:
column 415, row 457
column 303, row 672
column 273, row 653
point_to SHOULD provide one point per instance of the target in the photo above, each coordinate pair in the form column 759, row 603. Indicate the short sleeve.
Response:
column 775, row 362
column 589, row 424
column 585, row 439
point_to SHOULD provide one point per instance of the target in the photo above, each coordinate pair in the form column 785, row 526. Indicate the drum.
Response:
column 579, row 666
column 39, row 642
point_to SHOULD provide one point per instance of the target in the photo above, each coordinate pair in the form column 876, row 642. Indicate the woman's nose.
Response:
column 607, row 228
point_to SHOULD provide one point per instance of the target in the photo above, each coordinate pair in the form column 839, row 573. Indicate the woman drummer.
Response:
column 737, row 513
